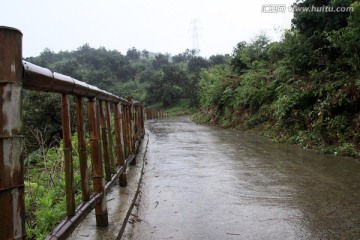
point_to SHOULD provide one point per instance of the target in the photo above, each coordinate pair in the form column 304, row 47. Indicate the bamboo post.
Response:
column 130, row 130
column 110, row 136
column 139, row 121
column 136, row 128
column 82, row 150
column 97, row 168
column 119, row 143
column 104, row 140
column 68, row 159
column 125, row 130
column 12, row 203
column 142, row 120
column 135, row 121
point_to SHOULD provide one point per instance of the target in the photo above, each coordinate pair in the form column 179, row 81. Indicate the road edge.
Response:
column 141, row 155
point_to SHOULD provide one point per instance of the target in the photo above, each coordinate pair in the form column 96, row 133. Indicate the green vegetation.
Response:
column 304, row 89
column 45, row 188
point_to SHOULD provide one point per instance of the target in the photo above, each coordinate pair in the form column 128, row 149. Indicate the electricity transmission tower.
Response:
column 195, row 35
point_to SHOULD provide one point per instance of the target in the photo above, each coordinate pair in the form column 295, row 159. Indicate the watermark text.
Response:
column 282, row 8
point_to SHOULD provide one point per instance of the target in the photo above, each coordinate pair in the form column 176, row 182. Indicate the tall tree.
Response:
column 133, row 53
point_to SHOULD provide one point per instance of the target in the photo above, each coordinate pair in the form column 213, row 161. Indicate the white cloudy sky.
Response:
column 155, row 25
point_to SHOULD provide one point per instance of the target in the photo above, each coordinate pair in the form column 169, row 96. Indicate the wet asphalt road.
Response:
column 203, row 182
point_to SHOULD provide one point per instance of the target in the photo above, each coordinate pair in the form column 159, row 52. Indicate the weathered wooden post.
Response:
column 12, row 204
column 97, row 168
column 68, row 159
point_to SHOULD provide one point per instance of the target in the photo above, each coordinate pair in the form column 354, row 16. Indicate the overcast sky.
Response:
column 154, row 25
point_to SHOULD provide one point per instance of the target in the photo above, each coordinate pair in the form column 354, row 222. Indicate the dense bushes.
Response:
column 304, row 89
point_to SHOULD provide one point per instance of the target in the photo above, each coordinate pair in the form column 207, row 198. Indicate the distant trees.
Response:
column 133, row 53
column 145, row 53
column 180, row 78
column 196, row 64
column 185, row 56
column 218, row 59
column 168, row 85
column 160, row 61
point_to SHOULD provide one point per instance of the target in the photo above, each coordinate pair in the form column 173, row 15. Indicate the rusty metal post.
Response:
column 82, row 150
column 68, row 159
column 119, row 144
column 110, row 136
column 104, row 140
column 97, row 168
column 12, row 204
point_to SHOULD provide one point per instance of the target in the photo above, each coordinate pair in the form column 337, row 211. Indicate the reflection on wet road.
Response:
column 208, row 183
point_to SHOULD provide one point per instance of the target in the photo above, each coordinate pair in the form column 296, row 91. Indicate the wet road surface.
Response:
column 203, row 182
